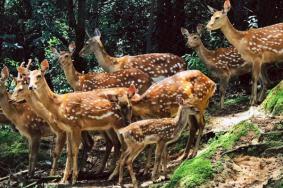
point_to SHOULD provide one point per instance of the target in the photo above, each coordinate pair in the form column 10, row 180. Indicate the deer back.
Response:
column 160, row 99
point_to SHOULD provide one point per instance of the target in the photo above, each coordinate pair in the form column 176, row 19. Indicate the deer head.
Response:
column 219, row 18
column 65, row 57
column 186, row 106
column 92, row 44
column 36, row 77
column 4, row 76
column 193, row 39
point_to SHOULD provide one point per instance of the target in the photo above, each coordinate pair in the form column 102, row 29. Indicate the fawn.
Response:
column 224, row 63
column 157, row 65
column 256, row 46
column 161, row 132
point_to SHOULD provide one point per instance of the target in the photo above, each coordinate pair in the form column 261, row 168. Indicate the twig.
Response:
column 16, row 174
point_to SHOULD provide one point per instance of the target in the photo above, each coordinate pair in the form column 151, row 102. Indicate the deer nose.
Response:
column 30, row 87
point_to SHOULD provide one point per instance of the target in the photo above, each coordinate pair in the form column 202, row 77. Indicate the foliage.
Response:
column 194, row 62
column 237, row 100
column 274, row 101
column 200, row 169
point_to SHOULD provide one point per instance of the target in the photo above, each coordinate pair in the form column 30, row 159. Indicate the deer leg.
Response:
column 149, row 152
column 130, row 160
column 68, row 164
column 256, row 73
column 264, row 84
column 158, row 153
column 193, row 128
column 108, row 148
column 123, row 158
column 201, row 124
column 223, row 87
column 75, row 140
column 34, row 147
column 87, row 142
column 164, row 161
column 59, row 145
column 117, row 148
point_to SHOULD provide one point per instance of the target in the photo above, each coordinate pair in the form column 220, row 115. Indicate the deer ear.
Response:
column 112, row 98
column 72, row 47
column 226, row 6
column 21, row 70
column 185, row 32
column 97, row 32
column 44, row 66
column 211, row 9
column 55, row 51
column 5, row 73
column 200, row 29
column 131, row 91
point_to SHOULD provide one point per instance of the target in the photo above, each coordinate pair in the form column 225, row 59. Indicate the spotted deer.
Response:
column 161, row 132
column 90, row 81
column 159, row 101
column 77, row 111
column 157, row 65
column 256, row 46
column 32, row 127
column 223, row 63
column 22, row 93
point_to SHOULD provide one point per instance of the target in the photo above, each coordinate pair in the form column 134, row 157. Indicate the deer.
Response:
column 161, row 132
column 157, row 65
column 159, row 101
column 78, row 111
column 256, row 46
column 223, row 63
column 29, row 125
column 90, row 81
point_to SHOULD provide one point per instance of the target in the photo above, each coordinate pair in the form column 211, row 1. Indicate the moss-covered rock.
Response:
column 274, row 101
column 200, row 169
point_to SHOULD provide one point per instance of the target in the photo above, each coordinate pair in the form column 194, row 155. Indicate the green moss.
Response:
column 274, row 100
column 236, row 101
column 197, row 171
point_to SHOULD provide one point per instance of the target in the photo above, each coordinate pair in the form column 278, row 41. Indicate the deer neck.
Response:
column 37, row 107
column 103, row 58
column 232, row 34
column 49, row 99
column 72, row 75
column 180, row 120
column 8, row 108
column 204, row 54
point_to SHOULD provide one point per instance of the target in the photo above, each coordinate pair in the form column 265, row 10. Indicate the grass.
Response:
column 194, row 172
column 274, row 100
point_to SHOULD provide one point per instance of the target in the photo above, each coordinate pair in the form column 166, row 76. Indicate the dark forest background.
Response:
column 28, row 28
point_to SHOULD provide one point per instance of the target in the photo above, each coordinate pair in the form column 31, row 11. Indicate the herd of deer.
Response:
column 167, row 99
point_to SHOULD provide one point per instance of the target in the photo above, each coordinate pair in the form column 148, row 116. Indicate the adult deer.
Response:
column 90, row 81
column 78, row 111
column 161, row 132
column 32, row 127
column 256, row 46
column 223, row 63
column 157, row 65
column 159, row 101
column 22, row 93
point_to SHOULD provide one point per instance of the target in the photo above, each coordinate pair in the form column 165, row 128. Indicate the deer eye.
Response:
column 67, row 55
column 38, row 76
column 195, row 37
column 216, row 18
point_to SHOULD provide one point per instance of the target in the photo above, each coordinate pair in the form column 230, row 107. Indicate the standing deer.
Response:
column 159, row 101
column 90, row 81
column 161, row 132
column 224, row 63
column 32, row 127
column 78, row 111
column 157, row 65
column 256, row 46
